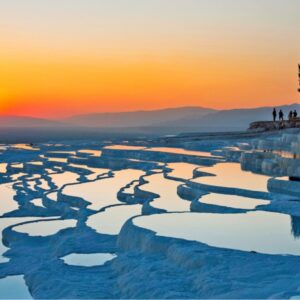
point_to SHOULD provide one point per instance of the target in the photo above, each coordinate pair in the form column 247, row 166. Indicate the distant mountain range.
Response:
column 20, row 121
column 167, row 120
column 139, row 118
column 226, row 120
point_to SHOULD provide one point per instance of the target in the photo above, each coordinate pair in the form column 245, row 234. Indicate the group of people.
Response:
column 292, row 115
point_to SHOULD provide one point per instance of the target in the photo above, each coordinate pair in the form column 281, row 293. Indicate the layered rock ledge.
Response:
column 270, row 125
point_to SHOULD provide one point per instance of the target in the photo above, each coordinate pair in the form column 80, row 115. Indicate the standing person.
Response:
column 274, row 114
column 295, row 114
column 290, row 115
column 281, row 115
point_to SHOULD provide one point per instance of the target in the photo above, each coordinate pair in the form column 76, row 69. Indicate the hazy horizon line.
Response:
column 143, row 110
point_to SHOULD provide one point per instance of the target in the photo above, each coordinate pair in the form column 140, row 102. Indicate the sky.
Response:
column 60, row 58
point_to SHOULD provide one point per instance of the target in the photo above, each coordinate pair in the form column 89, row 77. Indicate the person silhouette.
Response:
column 281, row 114
column 295, row 114
column 290, row 115
column 274, row 113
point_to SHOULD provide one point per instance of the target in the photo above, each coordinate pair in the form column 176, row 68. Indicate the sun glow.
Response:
column 91, row 61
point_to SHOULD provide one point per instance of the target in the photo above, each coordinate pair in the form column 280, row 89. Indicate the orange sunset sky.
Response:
column 64, row 57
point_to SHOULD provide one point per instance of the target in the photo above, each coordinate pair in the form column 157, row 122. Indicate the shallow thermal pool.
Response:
column 7, row 203
column 167, row 190
column 286, row 154
column 57, row 160
column 231, row 175
column 52, row 196
column 232, row 201
column 6, row 222
column 95, row 171
column 14, row 287
column 112, row 219
column 3, row 167
column 43, row 184
column 44, row 228
column 182, row 170
column 263, row 232
column 88, row 259
column 180, row 151
column 90, row 152
column 25, row 147
column 132, row 186
column 38, row 202
column 124, row 147
column 103, row 192
column 61, row 179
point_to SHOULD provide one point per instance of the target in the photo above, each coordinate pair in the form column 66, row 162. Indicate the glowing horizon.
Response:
column 65, row 57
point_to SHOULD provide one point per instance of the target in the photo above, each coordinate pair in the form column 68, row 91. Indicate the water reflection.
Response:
column 57, row 160
column 103, row 192
column 14, row 287
column 43, row 184
column 46, row 227
column 232, row 201
column 25, row 147
column 90, row 152
column 182, row 170
column 124, row 147
column 96, row 171
column 112, row 219
column 61, row 179
column 64, row 153
column 52, row 196
column 259, row 231
column 232, row 176
column 88, row 259
column 130, row 189
column 167, row 191
column 7, row 203
column 180, row 151
column 4, row 223
column 38, row 202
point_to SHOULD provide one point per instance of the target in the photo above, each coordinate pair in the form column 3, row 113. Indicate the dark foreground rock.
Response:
column 270, row 125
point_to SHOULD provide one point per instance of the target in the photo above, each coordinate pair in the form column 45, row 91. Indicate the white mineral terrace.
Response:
column 151, row 219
